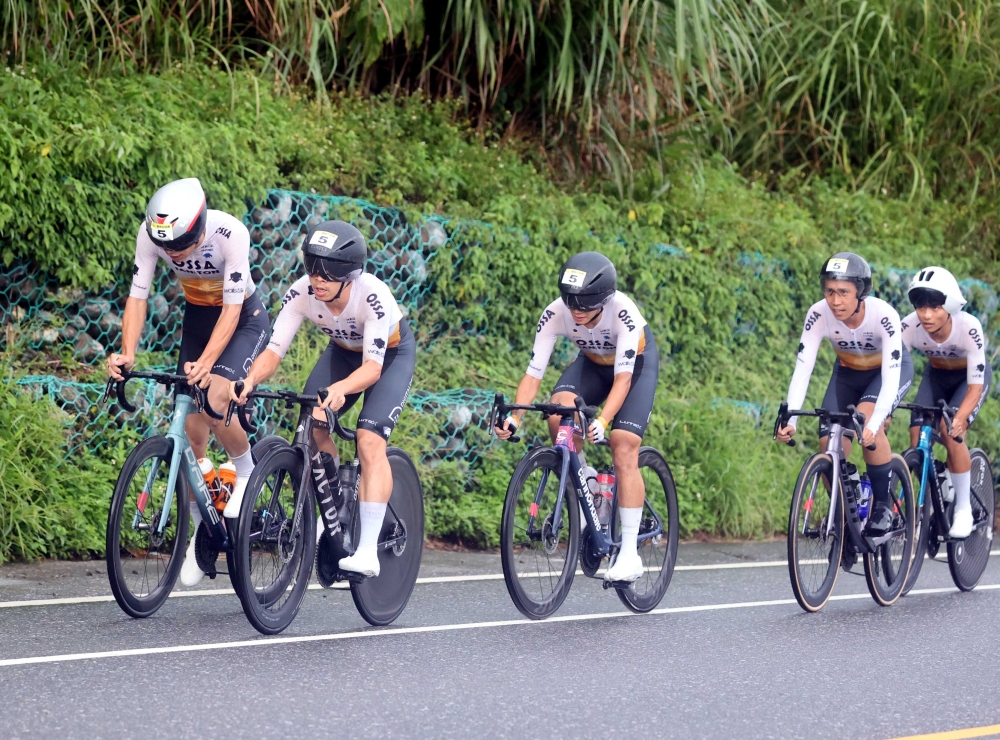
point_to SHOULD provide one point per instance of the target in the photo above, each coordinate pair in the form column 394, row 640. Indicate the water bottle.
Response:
column 947, row 487
column 853, row 481
column 211, row 479
column 605, row 487
column 865, row 497
column 227, row 482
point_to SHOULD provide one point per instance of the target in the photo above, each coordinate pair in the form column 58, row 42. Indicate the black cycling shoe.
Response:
column 880, row 520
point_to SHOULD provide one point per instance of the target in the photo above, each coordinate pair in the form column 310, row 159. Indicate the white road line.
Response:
column 420, row 581
column 268, row 641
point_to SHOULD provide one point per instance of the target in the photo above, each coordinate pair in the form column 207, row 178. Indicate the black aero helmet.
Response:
column 335, row 251
column 587, row 281
column 850, row 267
column 176, row 215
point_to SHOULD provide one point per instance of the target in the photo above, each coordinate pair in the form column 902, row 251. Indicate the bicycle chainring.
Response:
column 328, row 554
column 204, row 551
column 590, row 561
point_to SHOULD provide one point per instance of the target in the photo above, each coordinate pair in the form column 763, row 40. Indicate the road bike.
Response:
column 967, row 558
column 276, row 542
column 148, row 519
column 540, row 526
column 827, row 531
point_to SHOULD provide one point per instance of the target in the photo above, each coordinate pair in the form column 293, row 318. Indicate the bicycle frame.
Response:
column 572, row 470
column 182, row 456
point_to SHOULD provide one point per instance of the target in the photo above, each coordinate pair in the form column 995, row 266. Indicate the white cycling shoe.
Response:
column 232, row 510
column 364, row 561
column 191, row 574
column 625, row 569
column 961, row 525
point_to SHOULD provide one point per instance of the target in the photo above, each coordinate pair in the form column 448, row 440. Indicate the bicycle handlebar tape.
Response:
column 207, row 407
column 122, row 400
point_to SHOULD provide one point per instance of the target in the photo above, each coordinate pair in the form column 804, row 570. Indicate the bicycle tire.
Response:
column 829, row 547
column 264, row 445
column 880, row 564
column 260, row 524
column 914, row 461
column 521, row 592
column 132, row 603
column 968, row 558
column 655, row 589
column 381, row 600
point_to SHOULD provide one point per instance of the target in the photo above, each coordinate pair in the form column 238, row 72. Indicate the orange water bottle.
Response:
column 208, row 472
column 227, row 482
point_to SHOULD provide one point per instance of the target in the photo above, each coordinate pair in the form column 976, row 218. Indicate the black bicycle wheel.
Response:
column 814, row 548
column 265, row 445
column 539, row 555
column 914, row 461
column 142, row 564
column 887, row 569
column 968, row 558
column 659, row 553
column 400, row 545
column 275, row 541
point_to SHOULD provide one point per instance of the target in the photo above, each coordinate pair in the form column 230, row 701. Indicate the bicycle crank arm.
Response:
column 874, row 542
column 617, row 584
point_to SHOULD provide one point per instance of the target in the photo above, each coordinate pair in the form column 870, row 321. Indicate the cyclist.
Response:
column 618, row 366
column 371, row 350
column 873, row 369
column 958, row 372
column 225, row 323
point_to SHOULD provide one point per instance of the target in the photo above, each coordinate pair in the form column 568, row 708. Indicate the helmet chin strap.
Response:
column 343, row 285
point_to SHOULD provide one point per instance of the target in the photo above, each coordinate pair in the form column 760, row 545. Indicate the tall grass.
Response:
column 888, row 94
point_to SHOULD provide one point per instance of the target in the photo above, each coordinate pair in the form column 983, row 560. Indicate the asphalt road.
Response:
column 728, row 655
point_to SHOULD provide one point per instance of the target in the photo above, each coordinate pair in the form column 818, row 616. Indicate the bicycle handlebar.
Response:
column 501, row 408
column 200, row 395
column 941, row 410
column 851, row 417
column 291, row 398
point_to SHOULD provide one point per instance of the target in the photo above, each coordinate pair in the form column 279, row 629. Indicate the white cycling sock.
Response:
column 195, row 518
column 962, row 482
column 630, row 519
column 244, row 464
column 372, row 513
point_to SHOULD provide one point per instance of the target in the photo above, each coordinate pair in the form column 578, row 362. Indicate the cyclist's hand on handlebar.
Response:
column 959, row 426
column 785, row 434
column 596, row 432
column 508, row 428
column 248, row 387
column 335, row 399
column 115, row 364
column 198, row 373
column 867, row 437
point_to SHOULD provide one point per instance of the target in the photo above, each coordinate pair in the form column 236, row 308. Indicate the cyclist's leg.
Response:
column 384, row 402
column 959, row 460
column 925, row 397
column 583, row 378
column 336, row 363
column 842, row 391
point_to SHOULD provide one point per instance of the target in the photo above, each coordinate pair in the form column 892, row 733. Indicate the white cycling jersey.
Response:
column 369, row 323
column 965, row 347
column 876, row 343
column 216, row 273
column 617, row 339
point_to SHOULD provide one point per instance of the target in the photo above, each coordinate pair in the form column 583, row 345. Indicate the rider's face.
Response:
column 583, row 317
column 324, row 290
column 932, row 318
column 842, row 298
column 184, row 254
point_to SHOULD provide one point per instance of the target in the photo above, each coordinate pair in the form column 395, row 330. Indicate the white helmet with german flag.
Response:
column 177, row 214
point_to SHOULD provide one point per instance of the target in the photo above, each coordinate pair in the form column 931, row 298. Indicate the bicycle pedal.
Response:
column 351, row 576
column 617, row 584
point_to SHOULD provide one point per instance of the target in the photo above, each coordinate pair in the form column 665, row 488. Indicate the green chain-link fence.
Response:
column 86, row 325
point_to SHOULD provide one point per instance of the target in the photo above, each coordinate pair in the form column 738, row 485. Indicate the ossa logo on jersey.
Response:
column 811, row 320
column 195, row 265
column 626, row 319
column 594, row 344
column 225, row 232
column 863, row 346
column 292, row 293
column 376, row 305
column 976, row 338
column 887, row 325
column 545, row 319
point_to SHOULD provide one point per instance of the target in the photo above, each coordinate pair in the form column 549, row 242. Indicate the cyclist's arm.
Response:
column 975, row 345
column 616, row 397
column 892, row 353
column 805, row 361
column 361, row 379
column 263, row 368
column 527, row 392
column 970, row 402
column 134, row 317
column 289, row 317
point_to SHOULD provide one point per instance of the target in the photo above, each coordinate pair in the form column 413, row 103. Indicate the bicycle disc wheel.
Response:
column 887, row 568
column 814, row 549
column 380, row 600
column 968, row 558
column 659, row 553
column 274, row 552
column 914, row 461
column 143, row 564
column 538, row 556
